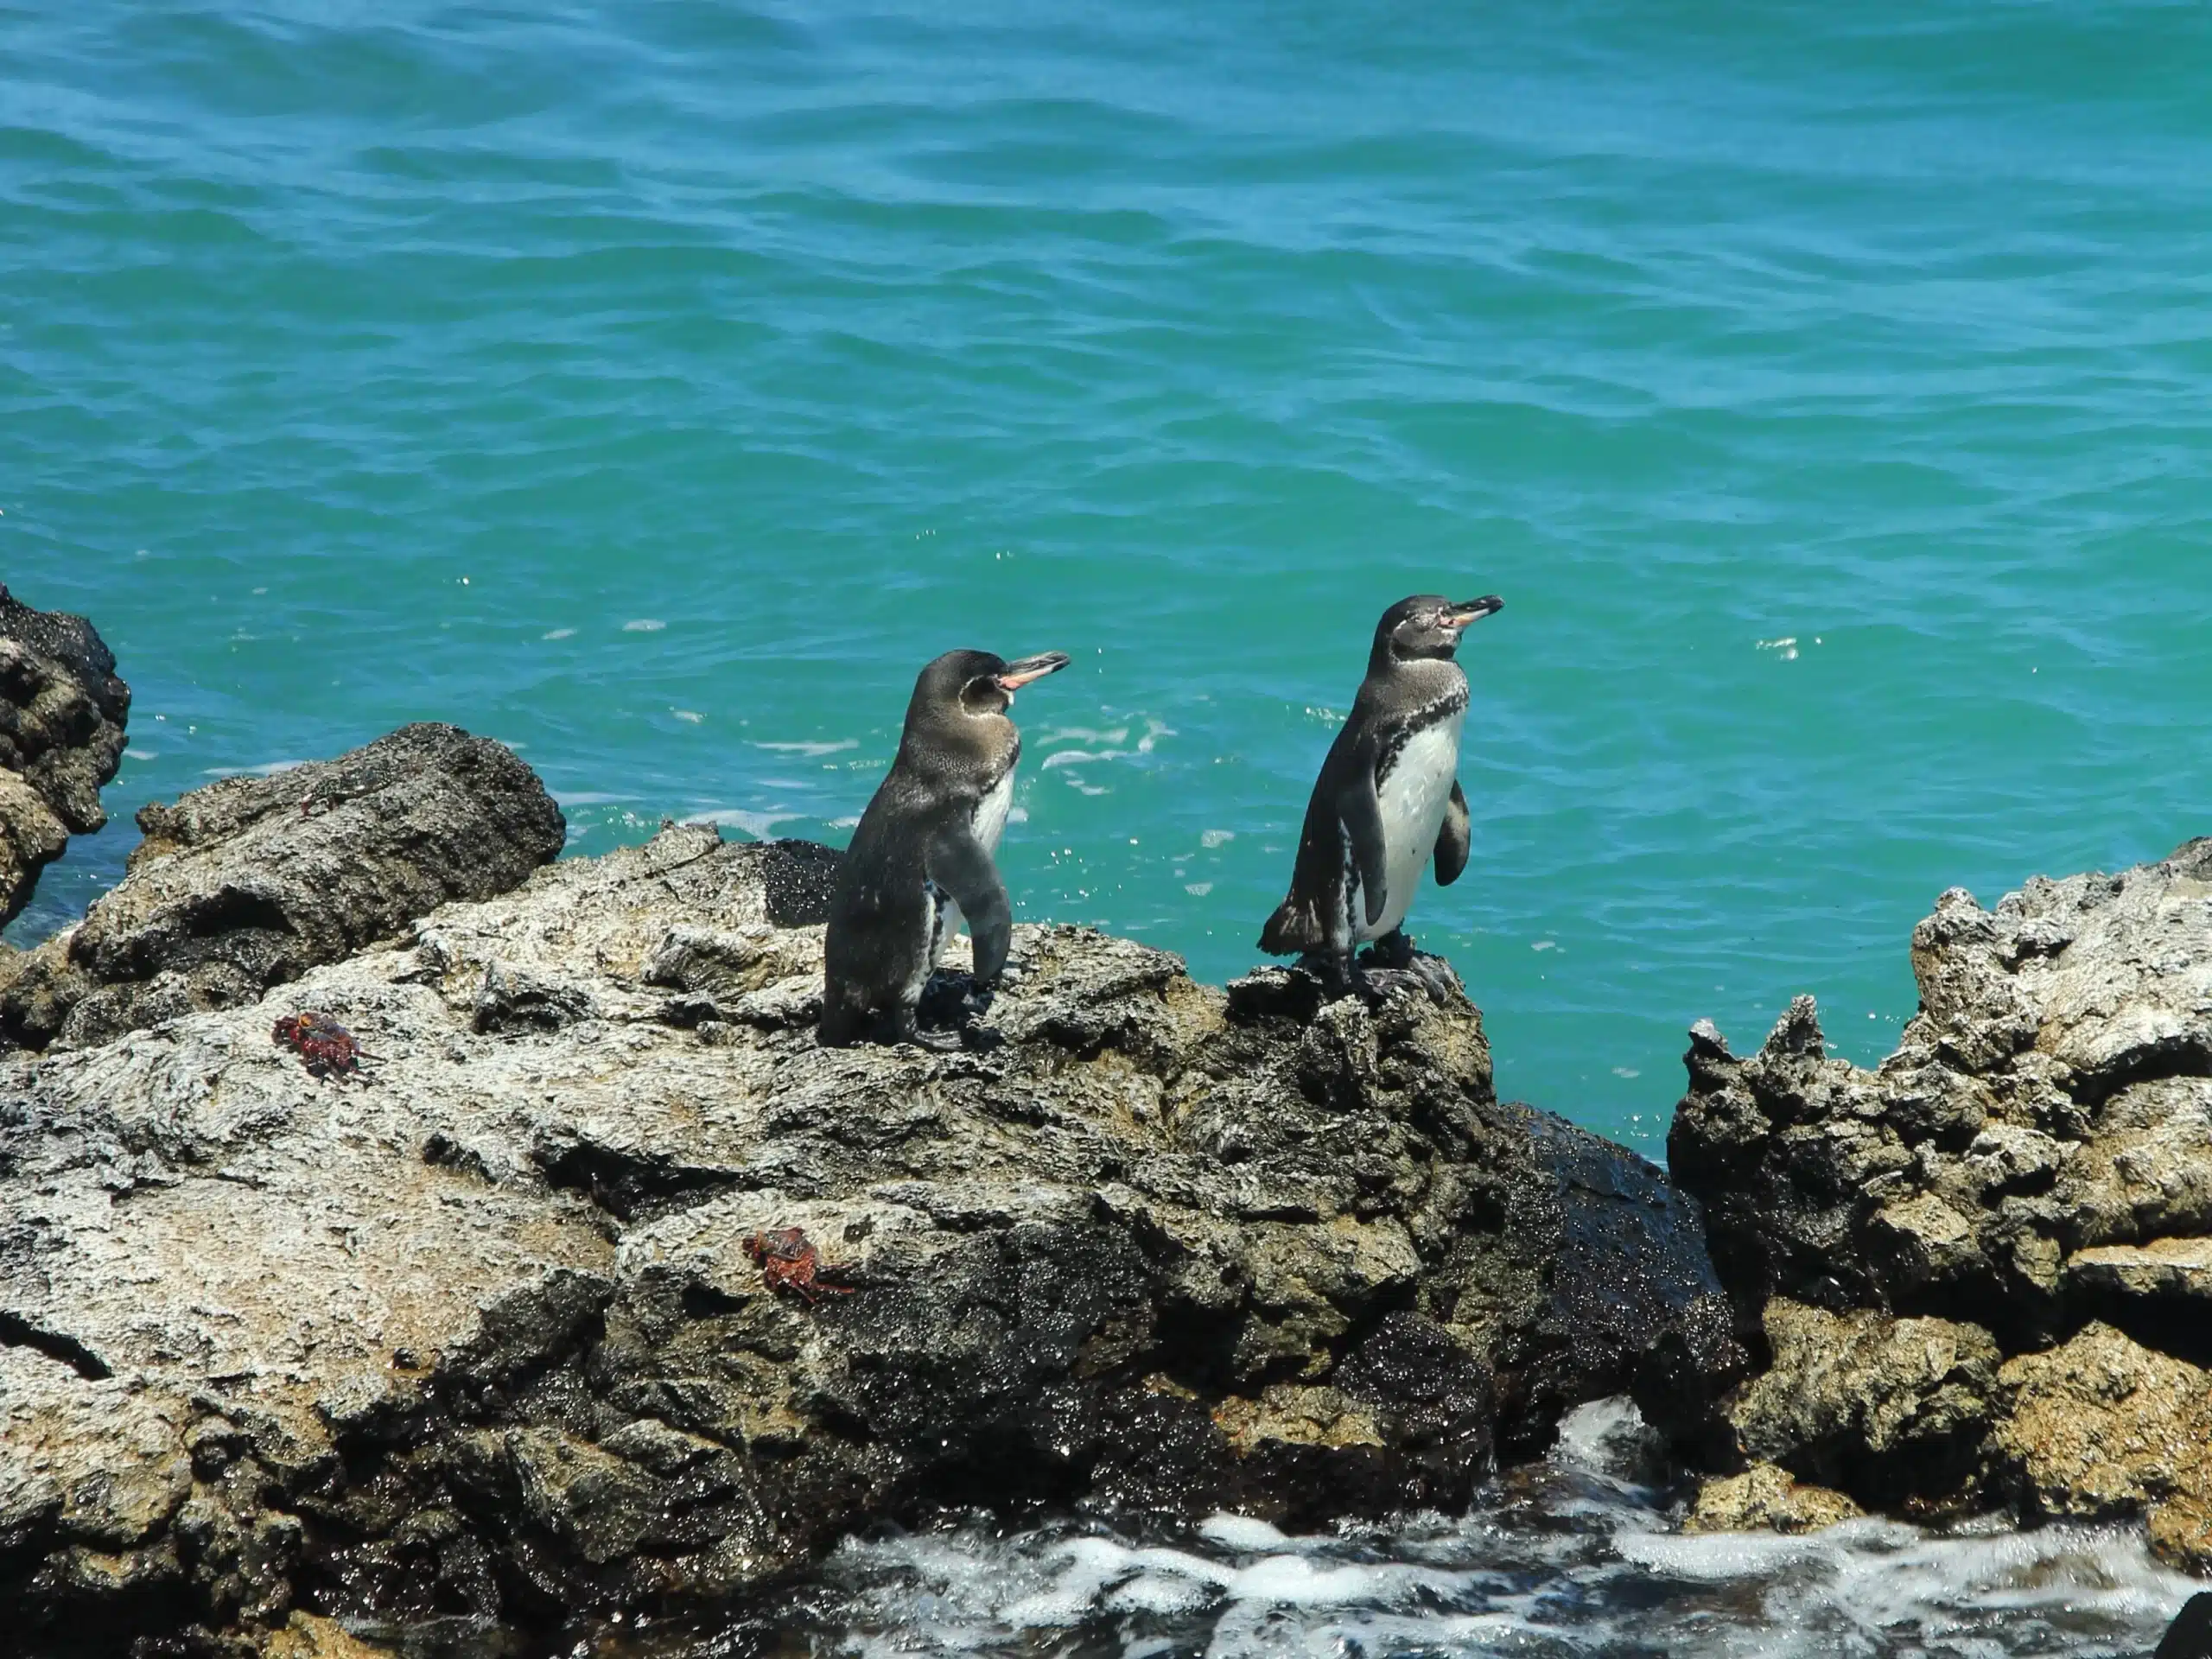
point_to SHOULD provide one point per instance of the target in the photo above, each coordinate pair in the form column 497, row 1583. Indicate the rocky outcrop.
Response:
column 1983, row 1270
column 62, row 711
column 250, row 882
column 1895, row 1411
column 1766, row 1498
column 495, row 1331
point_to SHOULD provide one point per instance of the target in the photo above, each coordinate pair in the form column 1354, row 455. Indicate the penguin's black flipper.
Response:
column 958, row 863
column 1360, row 811
column 1451, row 840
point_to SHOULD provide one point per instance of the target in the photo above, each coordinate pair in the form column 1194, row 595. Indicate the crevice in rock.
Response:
column 703, row 1301
column 442, row 1150
column 625, row 1184
column 232, row 909
column 16, row 1332
column 2175, row 1325
column 2184, row 1056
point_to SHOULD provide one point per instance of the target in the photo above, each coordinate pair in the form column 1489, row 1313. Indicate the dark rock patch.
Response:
column 62, row 712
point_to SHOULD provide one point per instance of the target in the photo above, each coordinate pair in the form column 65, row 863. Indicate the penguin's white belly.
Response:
column 991, row 814
column 934, row 905
column 1413, row 796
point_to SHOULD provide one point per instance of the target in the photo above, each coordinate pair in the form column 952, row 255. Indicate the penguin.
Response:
column 1388, row 799
column 921, row 865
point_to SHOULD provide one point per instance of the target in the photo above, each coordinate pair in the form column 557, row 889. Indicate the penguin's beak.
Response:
column 1468, row 611
column 1020, row 674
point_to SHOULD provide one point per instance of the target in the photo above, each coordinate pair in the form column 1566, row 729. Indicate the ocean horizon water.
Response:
column 657, row 388
column 1827, row 389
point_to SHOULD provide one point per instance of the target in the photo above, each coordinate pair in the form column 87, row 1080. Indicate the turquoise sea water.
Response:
column 1827, row 389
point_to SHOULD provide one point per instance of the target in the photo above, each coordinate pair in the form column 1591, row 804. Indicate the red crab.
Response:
column 788, row 1261
column 325, row 1047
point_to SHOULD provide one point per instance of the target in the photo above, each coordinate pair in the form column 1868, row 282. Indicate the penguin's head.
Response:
column 976, row 684
column 1428, row 624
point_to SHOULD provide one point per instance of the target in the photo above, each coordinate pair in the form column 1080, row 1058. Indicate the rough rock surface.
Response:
column 2026, row 1184
column 481, row 1334
column 1768, row 1498
column 1895, row 1410
column 251, row 881
column 62, row 711
column 2102, row 1426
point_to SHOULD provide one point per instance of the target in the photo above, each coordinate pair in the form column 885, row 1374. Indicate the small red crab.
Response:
column 788, row 1261
column 325, row 1047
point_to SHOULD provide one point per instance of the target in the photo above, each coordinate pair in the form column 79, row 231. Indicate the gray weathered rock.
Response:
column 62, row 711
column 248, row 883
column 2035, row 1157
column 31, row 837
column 481, row 1335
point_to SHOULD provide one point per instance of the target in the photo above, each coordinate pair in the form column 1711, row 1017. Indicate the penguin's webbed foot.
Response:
column 938, row 1042
column 1437, row 978
column 1335, row 972
column 1393, row 950
column 1392, row 959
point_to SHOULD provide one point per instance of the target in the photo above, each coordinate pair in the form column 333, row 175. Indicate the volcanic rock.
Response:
column 1983, row 1269
column 1768, row 1498
column 249, row 882
column 1895, row 1409
column 480, row 1335
column 62, row 711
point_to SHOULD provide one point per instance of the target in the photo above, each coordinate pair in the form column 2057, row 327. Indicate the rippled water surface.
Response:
column 1827, row 388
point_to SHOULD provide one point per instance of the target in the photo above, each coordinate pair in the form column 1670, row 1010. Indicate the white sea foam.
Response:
column 1154, row 731
column 1571, row 1558
column 645, row 625
column 810, row 749
column 760, row 825
column 1217, row 837
column 267, row 769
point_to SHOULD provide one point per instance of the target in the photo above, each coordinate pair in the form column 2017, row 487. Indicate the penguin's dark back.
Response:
column 1409, row 691
column 947, row 762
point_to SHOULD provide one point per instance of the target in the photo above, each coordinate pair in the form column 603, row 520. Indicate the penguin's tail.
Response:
column 1293, row 929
